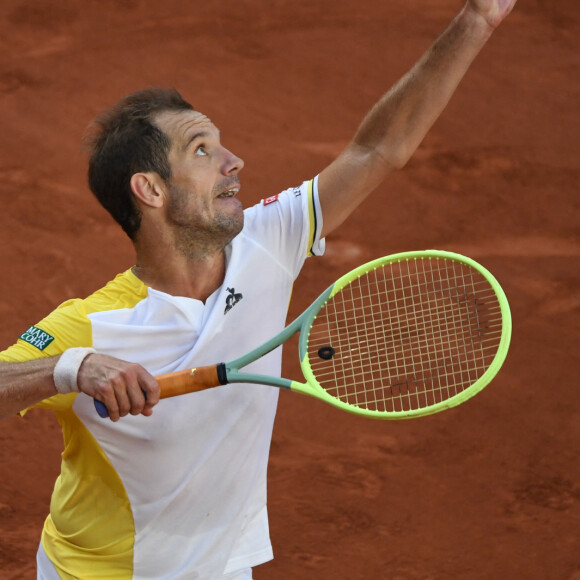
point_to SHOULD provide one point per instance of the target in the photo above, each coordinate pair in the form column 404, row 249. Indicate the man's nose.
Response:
column 232, row 164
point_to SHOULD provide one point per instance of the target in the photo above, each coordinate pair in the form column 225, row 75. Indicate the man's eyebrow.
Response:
column 195, row 136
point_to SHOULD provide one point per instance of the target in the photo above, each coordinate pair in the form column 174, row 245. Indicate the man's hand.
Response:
column 492, row 11
column 123, row 387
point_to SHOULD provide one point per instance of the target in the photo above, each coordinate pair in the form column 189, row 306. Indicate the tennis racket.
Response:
column 403, row 336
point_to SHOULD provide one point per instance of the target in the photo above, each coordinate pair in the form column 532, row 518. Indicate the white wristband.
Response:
column 67, row 368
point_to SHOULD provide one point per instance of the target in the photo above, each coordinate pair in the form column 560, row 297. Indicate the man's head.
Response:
column 126, row 141
column 197, row 205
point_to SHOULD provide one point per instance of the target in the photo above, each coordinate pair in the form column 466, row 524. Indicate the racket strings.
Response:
column 406, row 336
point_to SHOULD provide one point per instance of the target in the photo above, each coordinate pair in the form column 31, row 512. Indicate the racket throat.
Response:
column 222, row 373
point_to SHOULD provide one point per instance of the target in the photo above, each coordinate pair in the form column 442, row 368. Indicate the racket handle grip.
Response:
column 191, row 380
column 101, row 409
column 182, row 382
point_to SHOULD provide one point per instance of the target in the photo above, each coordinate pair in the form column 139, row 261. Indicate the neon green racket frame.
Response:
column 305, row 321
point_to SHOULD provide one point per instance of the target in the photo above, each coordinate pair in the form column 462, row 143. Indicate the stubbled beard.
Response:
column 195, row 235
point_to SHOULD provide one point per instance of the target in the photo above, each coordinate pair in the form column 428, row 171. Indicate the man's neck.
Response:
column 179, row 276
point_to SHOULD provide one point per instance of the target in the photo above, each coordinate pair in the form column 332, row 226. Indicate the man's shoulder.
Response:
column 123, row 291
column 274, row 208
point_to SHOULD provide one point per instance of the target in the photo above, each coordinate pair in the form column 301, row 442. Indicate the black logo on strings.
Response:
column 232, row 299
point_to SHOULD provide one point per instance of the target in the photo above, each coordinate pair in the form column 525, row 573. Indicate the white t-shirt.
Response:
column 181, row 494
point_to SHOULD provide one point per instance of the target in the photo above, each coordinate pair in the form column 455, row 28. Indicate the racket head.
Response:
column 405, row 336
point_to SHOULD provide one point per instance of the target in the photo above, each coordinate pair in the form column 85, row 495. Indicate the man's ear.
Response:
column 148, row 188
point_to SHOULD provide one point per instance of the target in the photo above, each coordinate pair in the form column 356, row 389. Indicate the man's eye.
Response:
column 201, row 150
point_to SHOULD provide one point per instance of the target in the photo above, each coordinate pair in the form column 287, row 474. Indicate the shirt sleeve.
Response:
column 64, row 328
column 289, row 225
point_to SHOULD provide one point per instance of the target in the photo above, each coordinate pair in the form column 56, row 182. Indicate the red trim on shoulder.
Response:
column 270, row 199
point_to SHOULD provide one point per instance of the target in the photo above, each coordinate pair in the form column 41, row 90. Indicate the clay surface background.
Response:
column 487, row 491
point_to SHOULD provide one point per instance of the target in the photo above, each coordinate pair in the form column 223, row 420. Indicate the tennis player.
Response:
column 178, row 489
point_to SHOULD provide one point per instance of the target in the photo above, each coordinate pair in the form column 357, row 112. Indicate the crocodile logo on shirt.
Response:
column 232, row 299
column 37, row 337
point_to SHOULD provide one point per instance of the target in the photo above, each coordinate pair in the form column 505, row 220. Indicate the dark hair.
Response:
column 124, row 141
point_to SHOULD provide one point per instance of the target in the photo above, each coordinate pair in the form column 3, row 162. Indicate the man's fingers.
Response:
column 136, row 391
column 108, row 398
column 138, row 396
column 143, row 391
column 121, row 386
column 150, row 388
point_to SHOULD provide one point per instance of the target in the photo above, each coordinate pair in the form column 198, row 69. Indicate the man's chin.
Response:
column 233, row 222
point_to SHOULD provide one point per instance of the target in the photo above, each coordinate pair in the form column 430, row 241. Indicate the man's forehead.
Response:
column 181, row 125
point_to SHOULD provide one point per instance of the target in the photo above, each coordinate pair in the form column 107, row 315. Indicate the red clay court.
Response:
column 487, row 491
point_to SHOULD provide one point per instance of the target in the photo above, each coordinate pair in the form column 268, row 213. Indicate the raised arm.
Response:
column 118, row 384
column 396, row 125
